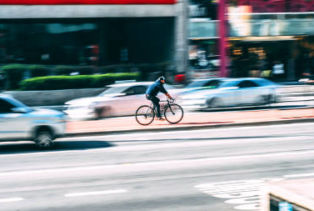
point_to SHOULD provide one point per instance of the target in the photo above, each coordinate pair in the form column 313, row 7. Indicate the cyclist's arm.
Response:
column 168, row 95
column 163, row 90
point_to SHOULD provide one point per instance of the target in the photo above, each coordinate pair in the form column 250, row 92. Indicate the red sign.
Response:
column 51, row 2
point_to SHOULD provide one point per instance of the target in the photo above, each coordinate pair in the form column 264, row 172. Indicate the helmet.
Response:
column 161, row 78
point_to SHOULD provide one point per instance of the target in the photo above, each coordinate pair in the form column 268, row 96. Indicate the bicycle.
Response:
column 173, row 113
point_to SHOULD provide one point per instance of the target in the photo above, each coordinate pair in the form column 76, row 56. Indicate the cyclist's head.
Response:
column 162, row 79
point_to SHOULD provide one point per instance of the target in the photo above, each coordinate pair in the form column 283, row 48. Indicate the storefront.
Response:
column 281, row 58
column 87, row 41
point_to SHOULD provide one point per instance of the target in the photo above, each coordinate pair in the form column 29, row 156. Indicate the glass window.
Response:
column 213, row 84
column 247, row 84
column 130, row 91
column 113, row 90
column 5, row 107
column 140, row 90
column 48, row 43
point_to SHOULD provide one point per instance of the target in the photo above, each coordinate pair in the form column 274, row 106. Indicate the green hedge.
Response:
column 14, row 74
column 75, row 82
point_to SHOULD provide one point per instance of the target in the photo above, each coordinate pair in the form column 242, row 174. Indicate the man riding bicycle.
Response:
column 153, row 90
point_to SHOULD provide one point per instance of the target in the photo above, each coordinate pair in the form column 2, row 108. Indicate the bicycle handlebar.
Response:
column 168, row 100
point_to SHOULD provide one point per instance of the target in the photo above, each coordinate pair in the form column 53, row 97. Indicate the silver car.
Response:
column 20, row 122
column 232, row 92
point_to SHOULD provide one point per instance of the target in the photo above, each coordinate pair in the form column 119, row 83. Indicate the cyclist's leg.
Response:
column 155, row 101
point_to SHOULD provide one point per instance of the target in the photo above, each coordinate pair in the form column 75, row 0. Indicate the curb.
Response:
column 276, row 122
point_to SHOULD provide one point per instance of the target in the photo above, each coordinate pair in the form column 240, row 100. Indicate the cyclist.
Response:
column 153, row 90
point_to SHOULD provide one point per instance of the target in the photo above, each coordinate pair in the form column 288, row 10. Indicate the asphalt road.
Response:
column 203, row 170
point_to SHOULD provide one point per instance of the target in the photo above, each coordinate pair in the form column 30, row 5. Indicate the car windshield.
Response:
column 230, row 83
column 265, row 82
column 205, row 83
column 18, row 104
column 113, row 90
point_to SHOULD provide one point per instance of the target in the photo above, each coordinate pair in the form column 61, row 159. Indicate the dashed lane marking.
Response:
column 94, row 193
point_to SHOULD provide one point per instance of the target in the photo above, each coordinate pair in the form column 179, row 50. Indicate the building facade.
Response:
column 261, row 35
column 94, row 32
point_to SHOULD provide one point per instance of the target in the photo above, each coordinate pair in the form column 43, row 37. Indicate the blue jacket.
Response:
column 155, row 88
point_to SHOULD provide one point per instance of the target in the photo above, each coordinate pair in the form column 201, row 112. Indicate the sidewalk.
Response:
column 193, row 121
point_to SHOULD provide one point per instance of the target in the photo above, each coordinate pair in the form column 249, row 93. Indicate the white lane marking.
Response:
column 299, row 175
column 15, row 199
column 243, row 194
column 94, row 193
column 159, row 164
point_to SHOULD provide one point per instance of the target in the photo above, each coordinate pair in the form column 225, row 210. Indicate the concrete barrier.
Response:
column 52, row 97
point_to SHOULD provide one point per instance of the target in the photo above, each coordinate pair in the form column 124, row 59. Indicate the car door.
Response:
column 128, row 103
column 249, row 92
column 11, row 125
column 230, row 95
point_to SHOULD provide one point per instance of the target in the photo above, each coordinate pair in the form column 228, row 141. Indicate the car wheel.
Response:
column 98, row 113
column 214, row 103
column 265, row 100
column 44, row 139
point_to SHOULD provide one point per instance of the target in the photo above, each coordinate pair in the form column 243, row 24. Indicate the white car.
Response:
column 118, row 100
column 232, row 92
column 19, row 122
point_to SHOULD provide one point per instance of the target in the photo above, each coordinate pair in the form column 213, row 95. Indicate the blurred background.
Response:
column 58, row 45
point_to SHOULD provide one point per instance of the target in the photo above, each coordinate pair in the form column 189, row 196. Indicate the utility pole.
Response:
column 222, row 32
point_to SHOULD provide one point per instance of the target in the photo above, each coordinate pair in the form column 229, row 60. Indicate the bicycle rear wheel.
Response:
column 174, row 113
column 144, row 115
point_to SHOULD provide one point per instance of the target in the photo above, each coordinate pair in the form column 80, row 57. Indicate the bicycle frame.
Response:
column 163, row 107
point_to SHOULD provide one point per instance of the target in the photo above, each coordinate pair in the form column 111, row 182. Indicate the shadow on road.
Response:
column 167, row 139
column 13, row 148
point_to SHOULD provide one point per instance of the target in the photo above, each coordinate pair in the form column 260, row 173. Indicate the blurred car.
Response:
column 20, row 122
column 200, row 84
column 118, row 100
column 232, row 92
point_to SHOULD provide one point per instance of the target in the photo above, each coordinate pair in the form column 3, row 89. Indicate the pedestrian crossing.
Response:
column 241, row 194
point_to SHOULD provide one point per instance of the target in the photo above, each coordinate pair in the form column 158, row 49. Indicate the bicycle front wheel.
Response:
column 144, row 115
column 174, row 113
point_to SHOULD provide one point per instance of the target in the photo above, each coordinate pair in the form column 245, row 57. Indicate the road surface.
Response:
column 198, row 170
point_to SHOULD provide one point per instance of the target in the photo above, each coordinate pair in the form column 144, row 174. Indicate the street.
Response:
column 203, row 170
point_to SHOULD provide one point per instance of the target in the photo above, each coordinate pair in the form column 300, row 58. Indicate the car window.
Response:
column 113, row 90
column 230, row 83
column 264, row 82
column 247, row 84
column 139, row 90
column 213, row 84
column 5, row 107
column 130, row 91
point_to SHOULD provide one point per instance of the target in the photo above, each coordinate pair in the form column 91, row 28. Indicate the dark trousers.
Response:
column 155, row 100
